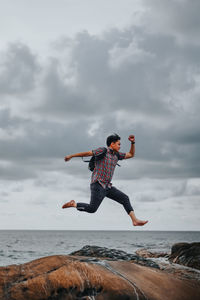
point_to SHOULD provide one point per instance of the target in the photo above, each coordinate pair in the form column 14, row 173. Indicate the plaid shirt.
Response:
column 104, row 168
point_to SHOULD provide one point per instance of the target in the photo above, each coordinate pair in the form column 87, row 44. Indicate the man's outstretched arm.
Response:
column 131, row 152
column 81, row 154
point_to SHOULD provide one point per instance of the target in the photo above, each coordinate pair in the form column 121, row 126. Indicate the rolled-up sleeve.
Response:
column 121, row 155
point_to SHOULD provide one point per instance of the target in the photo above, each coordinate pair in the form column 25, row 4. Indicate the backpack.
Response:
column 98, row 157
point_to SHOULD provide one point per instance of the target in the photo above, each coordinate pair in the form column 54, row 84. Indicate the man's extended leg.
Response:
column 97, row 195
column 123, row 199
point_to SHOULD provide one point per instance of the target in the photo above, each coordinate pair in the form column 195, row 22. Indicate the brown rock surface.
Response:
column 66, row 277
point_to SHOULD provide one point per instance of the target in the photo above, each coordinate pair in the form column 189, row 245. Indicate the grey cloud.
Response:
column 98, row 88
column 42, row 147
column 42, row 138
column 4, row 194
column 121, row 86
column 18, row 188
column 146, row 198
column 182, row 132
column 4, row 197
column 16, row 172
column 187, row 203
column 192, row 188
column 39, row 202
column 45, row 182
column 18, row 69
column 4, row 118
column 180, row 189
column 126, row 81
column 176, row 18
column 140, row 87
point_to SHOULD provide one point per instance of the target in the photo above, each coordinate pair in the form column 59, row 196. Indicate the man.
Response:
column 101, row 185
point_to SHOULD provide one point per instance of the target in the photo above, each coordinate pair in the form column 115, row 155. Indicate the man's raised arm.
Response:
column 131, row 152
column 81, row 154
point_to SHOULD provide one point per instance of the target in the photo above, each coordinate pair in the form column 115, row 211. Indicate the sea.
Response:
column 20, row 246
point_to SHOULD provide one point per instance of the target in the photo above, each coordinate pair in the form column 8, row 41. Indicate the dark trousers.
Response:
column 98, row 193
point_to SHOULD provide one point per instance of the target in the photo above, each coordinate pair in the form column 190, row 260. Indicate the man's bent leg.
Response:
column 123, row 199
column 120, row 197
column 97, row 195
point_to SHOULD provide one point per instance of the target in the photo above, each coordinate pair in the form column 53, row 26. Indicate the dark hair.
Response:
column 112, row 138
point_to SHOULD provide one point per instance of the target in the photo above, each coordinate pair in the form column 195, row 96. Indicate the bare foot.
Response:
column 71, row 203
column 139, row 222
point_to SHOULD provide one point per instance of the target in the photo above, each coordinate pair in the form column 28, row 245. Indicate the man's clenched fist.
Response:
column 131, row 138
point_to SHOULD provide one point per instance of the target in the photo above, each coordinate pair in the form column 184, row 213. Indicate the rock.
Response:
column 113, row 254
column 148, row 254
column 187, row 254
column 63, row 277
column 94, row 253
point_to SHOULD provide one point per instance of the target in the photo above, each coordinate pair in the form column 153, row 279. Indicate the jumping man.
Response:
column 101, row 185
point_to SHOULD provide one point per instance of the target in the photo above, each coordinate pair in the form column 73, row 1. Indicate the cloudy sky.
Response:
column 73, row 72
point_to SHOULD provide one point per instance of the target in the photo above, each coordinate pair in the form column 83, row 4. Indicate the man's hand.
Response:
column 68, row 157
column 131, row 138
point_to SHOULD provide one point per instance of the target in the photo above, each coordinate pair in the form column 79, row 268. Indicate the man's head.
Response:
column 113, row 141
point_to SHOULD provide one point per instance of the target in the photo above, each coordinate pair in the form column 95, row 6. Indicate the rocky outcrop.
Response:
column 63, row 277
column 142, row 257
column 186, row 254
column 114, row 254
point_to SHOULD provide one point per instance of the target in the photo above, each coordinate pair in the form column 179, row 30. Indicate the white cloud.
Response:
column 128, row 55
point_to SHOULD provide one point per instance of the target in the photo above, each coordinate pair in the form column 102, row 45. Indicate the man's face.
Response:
column 116, row 145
